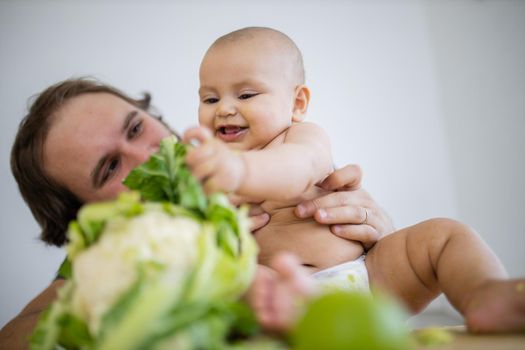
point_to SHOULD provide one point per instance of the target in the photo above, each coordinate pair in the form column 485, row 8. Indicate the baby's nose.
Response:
column 226, row 108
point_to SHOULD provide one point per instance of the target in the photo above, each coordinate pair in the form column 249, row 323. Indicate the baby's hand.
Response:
column 213, row 163
column 277, row 293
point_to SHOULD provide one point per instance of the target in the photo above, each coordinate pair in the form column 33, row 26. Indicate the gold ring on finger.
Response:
column 365, row 221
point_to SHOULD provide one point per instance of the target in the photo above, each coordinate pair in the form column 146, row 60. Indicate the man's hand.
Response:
column 350, row 210
column 258, row 217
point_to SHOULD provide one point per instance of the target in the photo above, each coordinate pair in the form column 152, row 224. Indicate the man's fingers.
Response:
column 353, row 223
column 358, row 198
column 255, row 209
column 258, row 221
column 335, row 199
column 306, row 209
column 348, row 177
column 365, row 234
column 344, row 215
column 235, row 199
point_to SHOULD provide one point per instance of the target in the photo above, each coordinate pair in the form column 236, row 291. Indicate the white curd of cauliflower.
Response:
column 104, row 271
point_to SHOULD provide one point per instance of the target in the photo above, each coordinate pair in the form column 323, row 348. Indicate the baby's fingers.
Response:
column 217, row 180
column 197, row 133
column 204, row 170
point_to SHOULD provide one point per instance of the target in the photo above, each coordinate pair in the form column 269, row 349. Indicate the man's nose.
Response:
column 138, row 154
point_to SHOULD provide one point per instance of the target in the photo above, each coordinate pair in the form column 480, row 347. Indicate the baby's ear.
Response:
column 302, row 99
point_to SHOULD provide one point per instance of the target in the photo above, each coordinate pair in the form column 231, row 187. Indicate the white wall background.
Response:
column 428, row 96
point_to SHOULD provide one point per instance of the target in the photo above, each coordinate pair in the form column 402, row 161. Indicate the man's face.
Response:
column 95, row 140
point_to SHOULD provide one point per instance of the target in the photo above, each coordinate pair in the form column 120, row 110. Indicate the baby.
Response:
column 253, row 99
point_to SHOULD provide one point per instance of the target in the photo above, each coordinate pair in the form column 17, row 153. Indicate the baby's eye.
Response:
column 247, row 95
column 210, row 100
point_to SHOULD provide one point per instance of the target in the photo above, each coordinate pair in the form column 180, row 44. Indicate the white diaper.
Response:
column 351, row 276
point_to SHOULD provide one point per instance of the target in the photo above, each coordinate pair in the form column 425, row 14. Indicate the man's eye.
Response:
column 111, row 169
column 210, row 100
column 247, row 95
column 135, row 130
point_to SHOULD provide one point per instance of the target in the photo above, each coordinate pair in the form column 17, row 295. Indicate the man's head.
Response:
column 252, row 87
column 68, row 149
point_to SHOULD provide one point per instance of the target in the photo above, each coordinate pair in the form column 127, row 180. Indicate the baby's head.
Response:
column 252, row 87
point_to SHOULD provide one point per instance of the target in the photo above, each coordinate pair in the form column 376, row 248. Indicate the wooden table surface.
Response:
column 466, row 341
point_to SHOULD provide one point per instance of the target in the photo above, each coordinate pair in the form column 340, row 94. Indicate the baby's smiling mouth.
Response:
column 230, row 133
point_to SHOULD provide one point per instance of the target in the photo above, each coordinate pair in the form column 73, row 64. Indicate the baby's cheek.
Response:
column 205, row 117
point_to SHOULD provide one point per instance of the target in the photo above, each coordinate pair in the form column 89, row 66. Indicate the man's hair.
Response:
column 52, row 204
column 279, row 39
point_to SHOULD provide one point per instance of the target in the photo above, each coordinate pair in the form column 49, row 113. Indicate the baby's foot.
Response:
column 278, row 291
column 498, row 306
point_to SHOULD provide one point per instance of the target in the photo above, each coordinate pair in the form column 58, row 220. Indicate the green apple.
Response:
column 351, row 321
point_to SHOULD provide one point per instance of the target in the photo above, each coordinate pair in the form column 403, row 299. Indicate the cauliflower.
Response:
column 104, row 271
column 164, row 265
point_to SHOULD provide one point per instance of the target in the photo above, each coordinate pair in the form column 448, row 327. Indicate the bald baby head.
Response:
column 273, row 42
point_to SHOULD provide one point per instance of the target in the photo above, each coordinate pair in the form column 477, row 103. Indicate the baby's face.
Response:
column 246, row 96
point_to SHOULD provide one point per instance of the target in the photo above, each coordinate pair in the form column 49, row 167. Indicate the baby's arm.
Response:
column 281, row 171
column 288, row 169
column 439, row 255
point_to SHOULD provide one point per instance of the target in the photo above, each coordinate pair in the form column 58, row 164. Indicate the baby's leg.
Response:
column 277, row 291
column 498, row 306
column 439, row 255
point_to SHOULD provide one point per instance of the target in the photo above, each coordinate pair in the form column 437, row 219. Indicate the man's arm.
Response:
column 15, row 334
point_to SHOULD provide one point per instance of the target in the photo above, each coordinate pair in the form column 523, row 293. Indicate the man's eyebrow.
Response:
column 95, row 173
column 128, row 120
